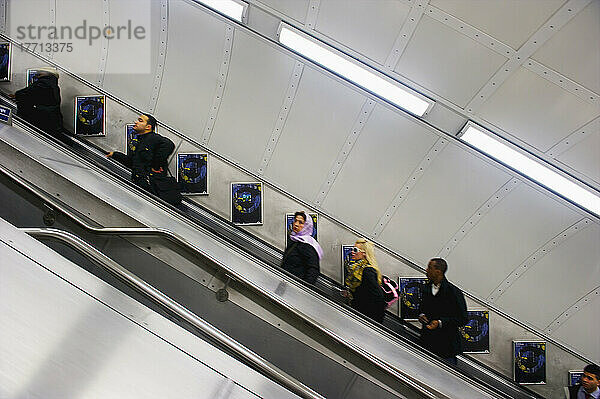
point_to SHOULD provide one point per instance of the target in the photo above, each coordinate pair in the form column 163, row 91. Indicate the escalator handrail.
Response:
column 100, row 258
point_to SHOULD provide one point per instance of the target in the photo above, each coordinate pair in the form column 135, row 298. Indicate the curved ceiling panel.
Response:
column 258, row 79
column 512, row 230
column 447, row 62
column 387, row 151
column 20, row 15
column 295, row 9
column 318, row 123
column 583, row 156
column 581, row 330
column 535, row 110
column 568, row 51
column 569, row 272
column 136, row 86
column 85, row 58
column 450, row 190
column 510, row 21
column 194, row 55
column 368, row 30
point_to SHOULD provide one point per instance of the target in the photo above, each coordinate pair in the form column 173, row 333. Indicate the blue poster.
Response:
column 246, row 203
column 90, row 115
column 192, row 172
column 289, row 220
column 5, row 62
column 32, row 75
column 411, row 294
column 131, row 139
column 346, row 257
column 476, row 333
column 529, row 362
column 575, row 377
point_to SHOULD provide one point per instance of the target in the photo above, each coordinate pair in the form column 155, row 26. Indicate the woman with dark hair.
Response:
column 363, row 280
column 301, row 257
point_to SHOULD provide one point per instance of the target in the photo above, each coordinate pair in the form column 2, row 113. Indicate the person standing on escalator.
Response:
column 39, row 103
column 302, row 256
column 443, row 312
column 149, row 159
column 363, row 280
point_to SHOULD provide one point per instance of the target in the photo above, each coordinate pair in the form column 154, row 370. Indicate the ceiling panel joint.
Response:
column 562, row 81
column 470, row 31
column 574, row 138
column 408, row 185
column 359, row 124
column 220, row 87
column 312, row 13
column 572, row 310
column 408, row 29
column 162, row 55
column 537, row 40
column 290, row 95
column 487, row 206
column 105, row 41
column 536, row 256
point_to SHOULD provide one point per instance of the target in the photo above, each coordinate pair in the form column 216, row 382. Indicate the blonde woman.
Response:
column 363, row 280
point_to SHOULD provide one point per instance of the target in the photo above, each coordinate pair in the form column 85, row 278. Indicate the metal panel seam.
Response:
column 536, row 256
column 408, row 185
column 477, row 216
column 162, row 55
column 221, row 82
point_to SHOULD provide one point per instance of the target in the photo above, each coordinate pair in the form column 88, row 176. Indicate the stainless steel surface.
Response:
column 270, row 370
column 371, row 342
column 65, row 333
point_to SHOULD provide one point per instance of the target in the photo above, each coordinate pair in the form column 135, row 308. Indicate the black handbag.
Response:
column 166, row 187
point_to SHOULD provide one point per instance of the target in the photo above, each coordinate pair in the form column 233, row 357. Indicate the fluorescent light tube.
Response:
column 233, row 9
column 352, row 71
column 485, row 142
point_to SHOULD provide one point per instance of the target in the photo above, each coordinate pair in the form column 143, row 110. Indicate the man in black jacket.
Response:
column 588, row 388
column 443, row 312
column 149, row 158
column 39, row 103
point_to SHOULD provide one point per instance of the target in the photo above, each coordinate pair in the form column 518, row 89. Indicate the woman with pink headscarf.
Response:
column 302, row 256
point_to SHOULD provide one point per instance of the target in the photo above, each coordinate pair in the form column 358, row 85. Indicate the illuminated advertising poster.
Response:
column 289, row 220
column 411, row 294
column 246, row 203
column 476, row 333
column 574, row 377
column 131, row 139
column 346, row 255
column 529, row 362
column 192, row 172
column 5, row 67
column 32, row 75
column 90, row 116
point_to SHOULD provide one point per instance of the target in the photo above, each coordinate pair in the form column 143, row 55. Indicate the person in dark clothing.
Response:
column 39, row 103
column 363, row 280
column 588, row 388
column 150, row 156
column 302, row 256
column 443, row 312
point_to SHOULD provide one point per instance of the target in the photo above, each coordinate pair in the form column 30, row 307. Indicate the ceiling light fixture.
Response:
column 231, row 8
column 354, row 71
column 486, row 142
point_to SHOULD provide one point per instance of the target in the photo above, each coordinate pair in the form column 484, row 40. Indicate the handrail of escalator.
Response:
column 150, row 231
column 267, row 368
column 123, row 231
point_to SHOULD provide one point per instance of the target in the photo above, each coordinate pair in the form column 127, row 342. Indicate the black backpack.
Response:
column 166, row 187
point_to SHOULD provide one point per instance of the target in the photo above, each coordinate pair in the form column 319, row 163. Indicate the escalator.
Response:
column 309, row 330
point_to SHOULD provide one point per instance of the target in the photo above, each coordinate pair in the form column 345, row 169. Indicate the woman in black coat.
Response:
column 302, row 256
column 363, row 280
